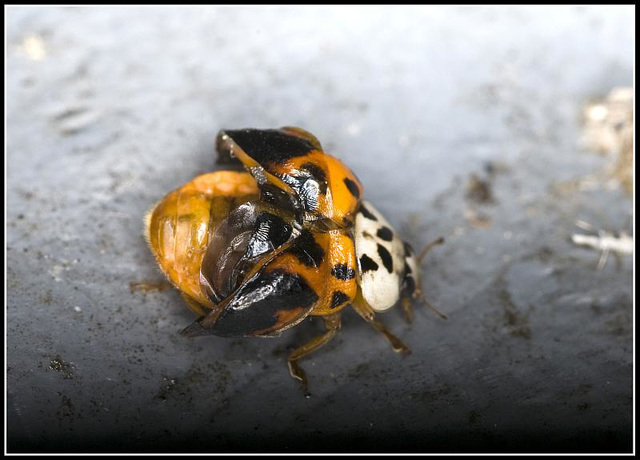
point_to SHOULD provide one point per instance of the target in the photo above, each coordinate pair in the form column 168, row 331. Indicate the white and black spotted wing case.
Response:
column 387, row 266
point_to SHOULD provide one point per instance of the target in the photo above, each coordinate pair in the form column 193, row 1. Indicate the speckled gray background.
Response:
column 108, row 109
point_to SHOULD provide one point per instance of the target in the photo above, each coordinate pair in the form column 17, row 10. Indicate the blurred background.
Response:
column 495, row 127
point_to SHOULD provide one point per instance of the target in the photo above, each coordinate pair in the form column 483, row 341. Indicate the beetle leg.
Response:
column 332, row 323
column 419, row 295
column 418, row 292
column 408, row 311
column 366, row 312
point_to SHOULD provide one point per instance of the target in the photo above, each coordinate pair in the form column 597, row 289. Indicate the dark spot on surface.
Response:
column 545, row 254
column 620, row 325
column 165, row 389
column 338, row 299
column 387, row 260
column 67, row 409
column 385, row 233
column 474, row 417
column 343, row 272
column 366, row 213
column 270, row 145
column 479, row 190
column 352, row 186
column 367, row 263
column 439, row 393
column 46, row 298
column 307, row 250
column 58, row 365
column 516, row 321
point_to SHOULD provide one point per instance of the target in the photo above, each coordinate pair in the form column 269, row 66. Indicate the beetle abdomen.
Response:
column 178, row 228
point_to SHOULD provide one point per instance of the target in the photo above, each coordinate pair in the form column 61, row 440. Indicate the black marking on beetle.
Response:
column 270, row 230
column 408, row 286
column 408, row 250
column 317, row 173
column 385, row 233
column 407, row 269
column 367, row 263
column 307, row 250
column 352, row 186
column 387, row 260
column 270, row 145
column 343, row 272
column 366, row 213
column 256, row 305
column 338, row 299
column 306, row 185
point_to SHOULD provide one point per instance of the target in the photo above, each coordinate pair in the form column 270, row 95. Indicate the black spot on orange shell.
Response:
column 270, row 145
column 367, row 264
column 307, row 250
column 338, row 299
column 385, row 233
column 387, row 260
column 366, row 213
column 352, row 186
column 343, row 272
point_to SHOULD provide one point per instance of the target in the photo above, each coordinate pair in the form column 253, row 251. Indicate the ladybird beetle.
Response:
column 248, row 267
column 291, row 160
column 389, row 269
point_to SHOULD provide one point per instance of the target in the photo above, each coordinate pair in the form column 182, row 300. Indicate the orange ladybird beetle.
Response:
column 250, row 264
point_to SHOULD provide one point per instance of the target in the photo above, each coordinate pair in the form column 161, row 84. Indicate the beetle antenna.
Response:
column 428, row 247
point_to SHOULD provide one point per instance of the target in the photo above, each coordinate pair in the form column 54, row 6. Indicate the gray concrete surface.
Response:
column 108, row 109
